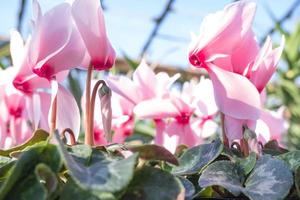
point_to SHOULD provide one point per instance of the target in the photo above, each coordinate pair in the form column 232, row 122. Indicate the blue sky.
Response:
column 129, row 23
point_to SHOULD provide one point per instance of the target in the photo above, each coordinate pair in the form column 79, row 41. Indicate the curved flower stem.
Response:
column 53, row 107
column 71, row 133
column 89, row 138
column 225, row 139
column 92, row 105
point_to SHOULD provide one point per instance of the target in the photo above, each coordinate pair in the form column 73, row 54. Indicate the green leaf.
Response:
column 4, row 160
column 45, row 175
column 154, row 152
column 38, row 136
column 72, row 191
column 291, row 158
column 297, row 181
column 81, row 153
column 103, row 176
column 25, row 165
column 188, row 187
column 28, row 188
column 195, row 158
column 225, row 174
column 152, row 184
column 270, row 178
column 248, row 163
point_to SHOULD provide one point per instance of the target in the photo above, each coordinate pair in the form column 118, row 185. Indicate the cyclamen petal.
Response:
column 230, row 26
column 51, row 49
column 67, row 115
column 156, row 109
column 88, row 16
column 265, row 64
column 235, row 95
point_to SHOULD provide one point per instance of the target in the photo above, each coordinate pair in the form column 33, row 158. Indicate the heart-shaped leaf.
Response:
column 154, row 152
column 153, row 184
column 248, row 163
column 195, row 158
column 188, row 187
column 270, row 178
column 25, row 165
column 225, row 174
column 102, row 176
column 72, row 191
column 45, row 175
column 292, row 158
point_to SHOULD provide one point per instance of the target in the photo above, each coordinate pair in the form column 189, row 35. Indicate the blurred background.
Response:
column 159, row 30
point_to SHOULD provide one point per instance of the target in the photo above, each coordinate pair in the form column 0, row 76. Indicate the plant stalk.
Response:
column 224, row 136
column 92, row 105
column 89, row 137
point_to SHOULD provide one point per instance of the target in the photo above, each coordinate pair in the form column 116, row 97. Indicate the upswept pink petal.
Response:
column 205, row 99
column 235, row 95
column 160, row 128
column 185, row 133
column 37, row 13
column 88, row 16
column 33, row 109
column 45, row 98
column 164, row 82
column 234, row 127
column 68, row 115
column 145, row 79
column 265, row 65
column 229, row 27
column 249, row 47
column 204, row 128
column 51, row 49
column 182, row 107
column 156, row 109
column 125, row 88
column 275, row 122
column 17, row 48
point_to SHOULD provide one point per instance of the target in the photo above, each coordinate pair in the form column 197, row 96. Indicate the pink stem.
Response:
column 89, row 138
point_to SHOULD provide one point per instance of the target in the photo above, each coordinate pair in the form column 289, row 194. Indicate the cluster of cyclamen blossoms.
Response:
column 74, row 35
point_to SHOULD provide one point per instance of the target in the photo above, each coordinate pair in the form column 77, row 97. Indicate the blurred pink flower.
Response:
column 174, row 115
column 145, row 84
column 14, row 128
column 88, row 16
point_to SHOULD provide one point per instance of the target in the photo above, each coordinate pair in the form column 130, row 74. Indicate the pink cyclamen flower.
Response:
column 138, row 90
column 88, row 16
column 14, row 129
column 58, row 48
column 28, row 83
column 238, row 70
